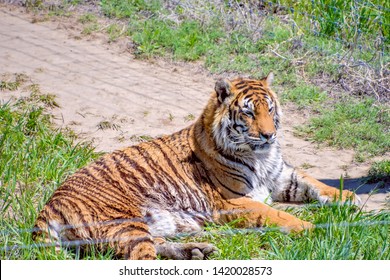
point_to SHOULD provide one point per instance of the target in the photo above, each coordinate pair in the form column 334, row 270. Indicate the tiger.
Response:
column 226, row 166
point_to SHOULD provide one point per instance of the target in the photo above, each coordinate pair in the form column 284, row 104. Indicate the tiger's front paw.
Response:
column 334, row 195
column 348, row 196
column 298, row 226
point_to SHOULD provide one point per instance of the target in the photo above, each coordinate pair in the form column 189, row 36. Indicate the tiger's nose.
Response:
column 268, row 136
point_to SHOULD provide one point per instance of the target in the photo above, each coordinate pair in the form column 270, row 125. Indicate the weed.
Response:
column 379, row 171
column 114, row 32
column 12, row 82
column 90, row 28
column 307, row 165
column 141, row 138
column 49, row 100
column 39, row 98
column 189, row 118
column 87, row 18
column 103, row 125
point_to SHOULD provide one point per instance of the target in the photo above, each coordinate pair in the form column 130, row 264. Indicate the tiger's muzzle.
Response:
column 267, row 137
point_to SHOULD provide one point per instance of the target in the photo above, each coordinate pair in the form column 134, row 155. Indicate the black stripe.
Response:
column 306, row 195
column 236, row 160
column 159, row 171
column 249, row 96
column 190, row 195
column 138, row 241
column 84, row 224
column 288, row 189
column 86, row 197
column 168, row 159
column 100, row 198
column 109, row 194
column 53, row 208
column 129, row 229
column 241, row 86
column 235, row 126
column 228, row 166
column 245, row 91
column 240, row 83
column 106, row 196
column 133, row 164
column 132, row 180
column 240, row 178
column 295, row 181
column 229, row 189
column 152, row 165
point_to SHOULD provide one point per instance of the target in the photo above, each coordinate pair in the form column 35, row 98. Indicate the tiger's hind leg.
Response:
column 130, row 239
column 47, row 235
column 183, row 251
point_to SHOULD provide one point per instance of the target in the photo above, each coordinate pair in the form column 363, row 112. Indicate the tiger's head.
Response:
column 247, row 115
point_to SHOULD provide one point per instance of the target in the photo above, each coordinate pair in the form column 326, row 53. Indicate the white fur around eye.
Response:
column 248, row 112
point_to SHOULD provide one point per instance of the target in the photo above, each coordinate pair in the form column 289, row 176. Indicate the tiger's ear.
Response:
column 223, row 89
column 269, row 79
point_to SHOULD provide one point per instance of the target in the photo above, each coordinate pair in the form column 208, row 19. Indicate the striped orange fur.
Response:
column 221, row 168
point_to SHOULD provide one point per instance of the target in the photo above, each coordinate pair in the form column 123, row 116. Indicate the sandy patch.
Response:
column 114, row 100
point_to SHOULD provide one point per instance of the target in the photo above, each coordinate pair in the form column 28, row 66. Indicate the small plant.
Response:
column 141, row 138
column 115, row 31
column 87, row 18
column 90, row 29
column 307, row 165
column 189, row 118
column 379, row 171
column 103, row 125
column 12, row 82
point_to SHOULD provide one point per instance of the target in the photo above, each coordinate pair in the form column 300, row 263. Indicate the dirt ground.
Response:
column 114, row 100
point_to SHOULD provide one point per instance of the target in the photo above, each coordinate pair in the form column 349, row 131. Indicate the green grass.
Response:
column 342, row 233
column 359, row 125
column 343, row 19
column 380, row 171
column 34, row 159
column 187, row 41
column 305, row 95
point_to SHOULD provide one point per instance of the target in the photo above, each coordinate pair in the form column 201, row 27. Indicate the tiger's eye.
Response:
column 248, row 113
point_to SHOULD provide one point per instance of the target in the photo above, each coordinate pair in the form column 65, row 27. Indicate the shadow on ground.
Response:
column 360, row 185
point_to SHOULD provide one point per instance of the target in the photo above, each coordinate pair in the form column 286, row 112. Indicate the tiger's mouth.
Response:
column 263, row 146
